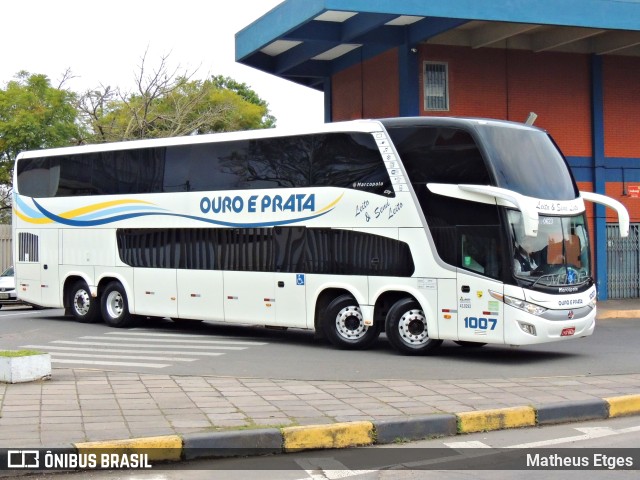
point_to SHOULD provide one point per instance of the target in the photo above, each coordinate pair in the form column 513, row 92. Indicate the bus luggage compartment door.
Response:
column 155, row 292
column 49, row 259
column 27, row 265
column 249, row 297
column 36, row 267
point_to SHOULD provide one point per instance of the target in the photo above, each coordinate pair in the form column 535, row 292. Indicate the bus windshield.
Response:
column 516, row 155
column 558, row 255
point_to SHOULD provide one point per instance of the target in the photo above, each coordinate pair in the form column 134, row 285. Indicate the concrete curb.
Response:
column 353, row 434
column 612, row 314
column 497, row 419
column 624, row 405
column 572, row 412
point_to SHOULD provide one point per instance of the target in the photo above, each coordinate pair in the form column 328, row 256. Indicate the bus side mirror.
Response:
column 623, row 214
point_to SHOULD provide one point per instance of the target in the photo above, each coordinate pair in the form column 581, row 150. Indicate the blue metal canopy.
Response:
column 307, row 41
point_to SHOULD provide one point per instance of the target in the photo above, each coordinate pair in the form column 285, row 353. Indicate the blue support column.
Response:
column 408, row 84
column 328, row 114
column 599, row 175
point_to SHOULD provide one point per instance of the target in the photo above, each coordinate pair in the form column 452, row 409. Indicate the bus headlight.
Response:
column 531, row 308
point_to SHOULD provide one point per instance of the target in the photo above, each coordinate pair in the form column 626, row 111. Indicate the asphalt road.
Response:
column 167, row 347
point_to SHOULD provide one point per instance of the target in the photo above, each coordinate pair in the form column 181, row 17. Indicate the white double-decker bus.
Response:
column 428, row 229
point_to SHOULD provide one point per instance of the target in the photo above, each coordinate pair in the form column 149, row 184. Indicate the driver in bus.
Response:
column 524, row 262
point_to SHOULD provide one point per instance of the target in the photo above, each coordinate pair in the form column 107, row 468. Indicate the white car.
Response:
column 8, row 295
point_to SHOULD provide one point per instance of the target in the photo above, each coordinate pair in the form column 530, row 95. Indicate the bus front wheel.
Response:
column 115, row 308
column 406, row 328
column 344, row 324
column 84, row 307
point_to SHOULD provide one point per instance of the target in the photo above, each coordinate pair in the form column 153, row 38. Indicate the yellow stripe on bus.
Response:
column 39, row 221
column 332, row 204
column 98, row 206
column 78, row 211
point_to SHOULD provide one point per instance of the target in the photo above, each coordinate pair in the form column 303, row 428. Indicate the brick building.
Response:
column 575, row 63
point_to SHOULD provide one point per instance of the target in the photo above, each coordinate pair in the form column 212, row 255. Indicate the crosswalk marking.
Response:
column 140, row 349
column 328, row 468
column 150, row 333
column 473, row 444
column 124, row 357
column 121, row 350
column 588, row 434
column 120, row 364
column 162, row 340
column 144, row 345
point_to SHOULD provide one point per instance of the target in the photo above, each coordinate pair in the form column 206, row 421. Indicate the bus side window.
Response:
column 479, row 250
column 470, row 256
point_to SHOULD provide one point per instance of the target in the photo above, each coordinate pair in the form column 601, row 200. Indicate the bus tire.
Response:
column 115, row 307
column 406, row 328
column 84, row 307
column 344, row 325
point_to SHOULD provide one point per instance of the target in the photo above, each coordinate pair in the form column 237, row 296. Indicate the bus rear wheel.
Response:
column 84, row 307
column 406, row 328
column 115, row 308
column 344, row 324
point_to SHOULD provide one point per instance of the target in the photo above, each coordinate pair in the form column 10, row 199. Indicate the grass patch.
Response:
column 19, row 353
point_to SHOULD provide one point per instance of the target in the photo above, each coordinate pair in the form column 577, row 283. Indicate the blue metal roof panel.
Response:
column 276, row 23
column 609, row 14
column 294, row 20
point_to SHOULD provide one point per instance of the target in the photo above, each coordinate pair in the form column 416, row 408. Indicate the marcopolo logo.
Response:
column 296, row 202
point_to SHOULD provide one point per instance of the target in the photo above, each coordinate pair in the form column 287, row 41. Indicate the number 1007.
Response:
column 480, row 323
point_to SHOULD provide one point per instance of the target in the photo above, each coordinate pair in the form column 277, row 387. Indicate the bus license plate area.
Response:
column 567, row 332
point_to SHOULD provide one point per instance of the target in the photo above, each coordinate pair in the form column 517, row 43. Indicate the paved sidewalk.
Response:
column 79, row 405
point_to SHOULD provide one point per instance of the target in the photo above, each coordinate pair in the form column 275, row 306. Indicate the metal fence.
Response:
column 6, row 258
column 623, row 262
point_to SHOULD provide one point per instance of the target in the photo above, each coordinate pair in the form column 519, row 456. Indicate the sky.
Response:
column 103, row 42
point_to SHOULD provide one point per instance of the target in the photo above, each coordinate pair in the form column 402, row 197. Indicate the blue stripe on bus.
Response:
column 116, row 218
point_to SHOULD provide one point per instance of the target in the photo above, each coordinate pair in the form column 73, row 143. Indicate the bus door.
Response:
column 290, row 281
column 479, row 314
column 291, row 300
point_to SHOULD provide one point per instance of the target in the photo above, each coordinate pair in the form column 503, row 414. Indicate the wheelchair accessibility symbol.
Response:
column 299, row 279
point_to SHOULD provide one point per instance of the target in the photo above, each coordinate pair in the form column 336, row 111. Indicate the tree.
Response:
column 33, row 115
column 170, row 103
column 242, row 89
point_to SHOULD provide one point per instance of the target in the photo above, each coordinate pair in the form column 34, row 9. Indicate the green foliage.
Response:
column 33, row 114
column 166, row 105
column 244, row 91
column 19, row 353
